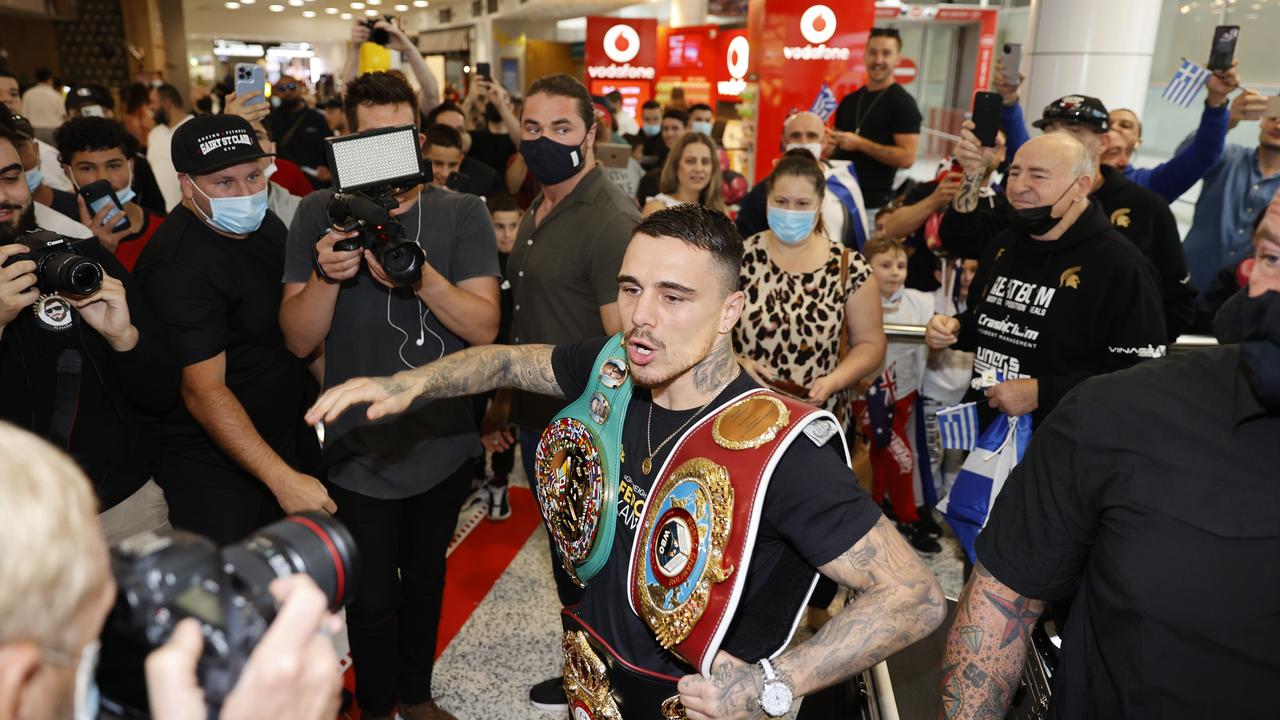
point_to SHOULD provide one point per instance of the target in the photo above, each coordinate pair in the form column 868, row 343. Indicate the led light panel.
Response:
column 378, row 157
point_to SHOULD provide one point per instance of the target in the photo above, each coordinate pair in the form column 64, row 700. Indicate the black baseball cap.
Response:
column 210, row 143
column 86, row 95
column 1077, row 109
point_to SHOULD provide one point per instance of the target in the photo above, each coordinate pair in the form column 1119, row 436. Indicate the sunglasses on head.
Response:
column 288, row 86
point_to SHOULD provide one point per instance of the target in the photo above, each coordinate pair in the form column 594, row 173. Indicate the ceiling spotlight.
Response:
column 371, row 13
column 402, row 8
column 276, row 8
column 231, row 5
column 331, row 11
column 420, row 3
column 345, row 16
column 357, row 6
column 374, row 2
column 308, row 13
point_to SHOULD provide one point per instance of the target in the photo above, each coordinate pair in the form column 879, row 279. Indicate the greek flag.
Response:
column 1186, row 83
column 825, row 104
column 959, row 426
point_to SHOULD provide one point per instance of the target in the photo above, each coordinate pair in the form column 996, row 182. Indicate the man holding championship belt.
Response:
column 693, row 507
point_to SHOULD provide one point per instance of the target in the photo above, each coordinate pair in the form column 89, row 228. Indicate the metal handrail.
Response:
column 915, row 334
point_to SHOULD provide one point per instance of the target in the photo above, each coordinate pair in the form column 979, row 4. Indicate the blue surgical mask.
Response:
column 34, row 179
column 651, row 130
column 87, row 698
column 791, row 226
column 701, row 126
column 236, row 215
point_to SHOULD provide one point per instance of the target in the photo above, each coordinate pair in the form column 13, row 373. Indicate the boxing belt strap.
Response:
column 692, row 551
column 601, row 685
column 577, row 466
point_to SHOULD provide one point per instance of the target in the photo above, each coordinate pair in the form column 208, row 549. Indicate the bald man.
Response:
column 844, row 212
column 1060, row 295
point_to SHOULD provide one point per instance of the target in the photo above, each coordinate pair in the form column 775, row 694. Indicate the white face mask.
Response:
column 814, row 148
column 86, row 684
column 270, row 170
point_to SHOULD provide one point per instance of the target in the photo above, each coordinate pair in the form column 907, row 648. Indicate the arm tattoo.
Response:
column 739, row 686
column 481, row 369
column 899, row 602
column 966, row 201
column 978, row 678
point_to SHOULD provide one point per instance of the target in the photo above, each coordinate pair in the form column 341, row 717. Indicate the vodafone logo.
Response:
column 818, row 24
column 737, row 61
column 630, row 43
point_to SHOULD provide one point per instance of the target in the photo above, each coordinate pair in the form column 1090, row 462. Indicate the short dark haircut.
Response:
column 433, row 117
column 43, row 74
column 136, row 96
column 442, row 136
column 703, row 228
column 8, row 133
column 377, row 88
column 502, row 202
column 614, row 96
column 566, row 86
column 90, row 134
column 7, row 74
column 676, row 114
column 170, row 94
column 700, row 106
column 887, row 32
column 651, row 105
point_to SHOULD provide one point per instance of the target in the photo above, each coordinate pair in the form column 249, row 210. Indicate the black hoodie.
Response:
column 1137, row 213
column 1062, row 310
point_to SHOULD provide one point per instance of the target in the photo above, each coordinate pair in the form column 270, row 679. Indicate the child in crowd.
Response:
column 892, row 398
column 947, row 376
column 497, row 436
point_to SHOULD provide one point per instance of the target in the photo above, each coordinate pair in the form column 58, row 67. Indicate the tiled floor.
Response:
column 512, row 638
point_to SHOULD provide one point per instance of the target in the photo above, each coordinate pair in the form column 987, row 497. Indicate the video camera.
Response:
column 369, row 169
column 377, row 35
column 61, row 265
column 167, row 577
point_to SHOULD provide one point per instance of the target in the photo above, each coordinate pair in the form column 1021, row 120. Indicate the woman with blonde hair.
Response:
column 691, row 175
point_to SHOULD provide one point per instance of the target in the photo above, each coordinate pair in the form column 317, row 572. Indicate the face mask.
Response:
column 652, row 130
column 86, row 684
column 271, row 170
column 551, row 162
column 701, row 126
column 814, row 149
column 236, row 215
column 791, row 226
column 1035, row 220
column 1260, row 346
column 34, row 179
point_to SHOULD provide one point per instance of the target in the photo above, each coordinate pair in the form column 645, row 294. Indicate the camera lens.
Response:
column 72, row 274
column 311, row 542
column 403, row 261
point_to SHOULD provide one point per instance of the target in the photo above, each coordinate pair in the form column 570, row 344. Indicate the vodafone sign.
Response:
column 817, row 26
column 621, row 49
column 737, row 61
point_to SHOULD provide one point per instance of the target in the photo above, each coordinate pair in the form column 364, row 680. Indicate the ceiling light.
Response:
column 357, row 6
column 345, row 16
column 371, row 13
column 231, row 5
column 276, row 8
column 374, row 2
column 402, row 8
column 331, row 11
column 420, row 3
column 308, row 13
column 295, row 3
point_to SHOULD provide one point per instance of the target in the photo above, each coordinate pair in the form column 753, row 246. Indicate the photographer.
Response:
column 399, row 484
column 428, row 96
column 232, row 455
column 56, row 591
column 79, row 370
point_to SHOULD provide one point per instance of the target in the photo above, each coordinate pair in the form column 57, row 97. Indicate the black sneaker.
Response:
column 927, row 523
column 499, row 504
column 921, row 541
column 549, row 695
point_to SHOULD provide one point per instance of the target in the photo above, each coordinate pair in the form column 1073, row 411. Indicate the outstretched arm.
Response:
column 468, row 372
column 985, row 648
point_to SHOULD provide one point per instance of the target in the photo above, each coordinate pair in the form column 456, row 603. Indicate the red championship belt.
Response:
column 690, row 557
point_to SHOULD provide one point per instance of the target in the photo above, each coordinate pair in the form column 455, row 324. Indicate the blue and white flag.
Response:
column 958, row 426
column 998, row 450
column 824, row 106
column 1186, row 83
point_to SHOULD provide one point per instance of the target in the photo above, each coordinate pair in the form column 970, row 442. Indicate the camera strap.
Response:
column 66, row 397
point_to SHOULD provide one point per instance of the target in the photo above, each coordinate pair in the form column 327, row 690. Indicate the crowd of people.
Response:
column 233, row 314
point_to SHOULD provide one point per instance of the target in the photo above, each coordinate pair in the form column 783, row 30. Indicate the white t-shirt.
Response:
column 51, row 168
column 160, row 156
column 910, row 307
column 626, row 124
column 43, row 107
column 49, row 219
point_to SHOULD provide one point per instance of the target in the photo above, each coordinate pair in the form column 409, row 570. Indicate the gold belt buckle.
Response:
column 586, row 681
column 673, row 709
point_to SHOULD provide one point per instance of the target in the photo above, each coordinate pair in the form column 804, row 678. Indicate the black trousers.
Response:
column 394, row 618
column 220, row 503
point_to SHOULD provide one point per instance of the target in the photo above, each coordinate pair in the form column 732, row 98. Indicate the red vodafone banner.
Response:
column 797, row 45
column 734, row 65
column 622, row 54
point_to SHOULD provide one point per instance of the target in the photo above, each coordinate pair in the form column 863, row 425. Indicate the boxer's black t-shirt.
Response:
column 813, row 512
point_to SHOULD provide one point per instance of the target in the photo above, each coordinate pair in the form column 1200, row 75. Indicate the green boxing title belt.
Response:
column 577, row 466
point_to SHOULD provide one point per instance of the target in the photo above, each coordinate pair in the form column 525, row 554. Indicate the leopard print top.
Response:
column 791, row 322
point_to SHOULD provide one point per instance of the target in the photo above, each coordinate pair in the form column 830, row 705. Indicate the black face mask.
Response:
column 551, row 162
column 1035, row 220
column 1260, row 346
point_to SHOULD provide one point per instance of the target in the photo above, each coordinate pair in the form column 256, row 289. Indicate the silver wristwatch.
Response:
column 775, row 699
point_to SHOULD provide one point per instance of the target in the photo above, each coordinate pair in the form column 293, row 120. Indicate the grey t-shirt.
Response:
column 376, row 332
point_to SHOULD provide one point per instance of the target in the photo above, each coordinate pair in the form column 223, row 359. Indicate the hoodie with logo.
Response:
column 1061, row 311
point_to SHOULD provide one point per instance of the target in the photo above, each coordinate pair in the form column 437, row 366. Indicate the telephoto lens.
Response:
column 312, row 543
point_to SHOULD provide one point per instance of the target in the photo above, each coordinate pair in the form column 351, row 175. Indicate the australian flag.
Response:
column 958, row 426
column 825, row 104
column 881, row 396
column 1186, row 83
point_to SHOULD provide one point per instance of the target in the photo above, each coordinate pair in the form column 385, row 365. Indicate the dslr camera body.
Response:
column 379, row 36
column 164, row 578
column 379, row 232
column 61, row 265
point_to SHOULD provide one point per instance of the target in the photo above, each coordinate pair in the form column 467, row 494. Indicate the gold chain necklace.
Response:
column 647, row 464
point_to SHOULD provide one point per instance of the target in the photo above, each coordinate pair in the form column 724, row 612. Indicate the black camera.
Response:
column 61, row 265
column 378, row 36
column 378, row 232
column 166, row 577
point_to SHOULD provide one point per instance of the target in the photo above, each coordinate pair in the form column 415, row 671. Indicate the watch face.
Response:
column 776, row 699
